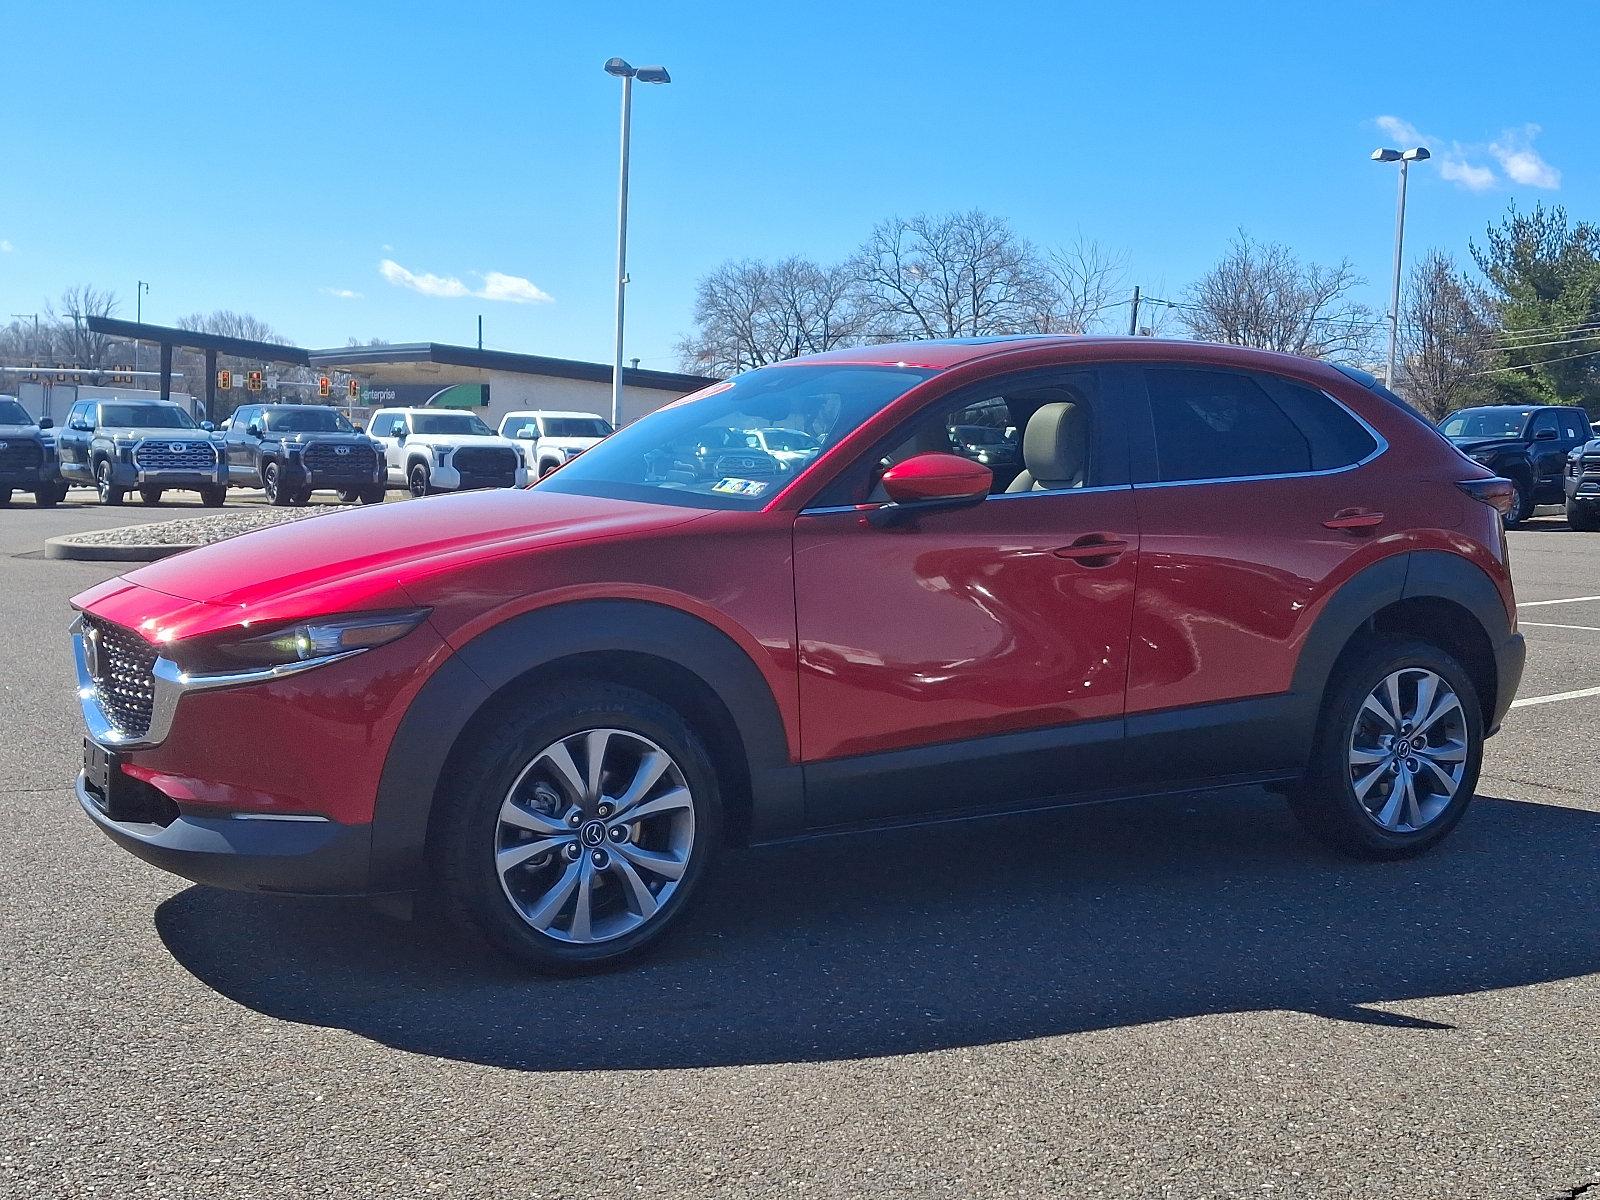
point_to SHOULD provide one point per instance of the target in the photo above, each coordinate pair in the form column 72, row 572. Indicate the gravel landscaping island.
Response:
column 144, row 543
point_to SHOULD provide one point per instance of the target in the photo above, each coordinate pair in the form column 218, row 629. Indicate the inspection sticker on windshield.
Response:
column 740, row 487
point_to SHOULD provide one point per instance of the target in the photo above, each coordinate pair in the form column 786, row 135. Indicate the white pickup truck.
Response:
column 430, row 450
column 549, row 439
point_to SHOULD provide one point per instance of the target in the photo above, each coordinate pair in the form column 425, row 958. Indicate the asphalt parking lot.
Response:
column 1185, row 998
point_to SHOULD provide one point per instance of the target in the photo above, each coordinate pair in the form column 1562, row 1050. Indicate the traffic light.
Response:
column 324, row 386
column 253, row 381
column 353, row 389
column 224, row 381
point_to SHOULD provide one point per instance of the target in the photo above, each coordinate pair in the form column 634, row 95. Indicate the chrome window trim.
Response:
column 873, row 505
column 1380, row 448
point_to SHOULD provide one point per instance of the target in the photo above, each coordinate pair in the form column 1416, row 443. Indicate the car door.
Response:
column 72, row 445
column 382, row 429
column 1245, row 472
column 975, row 656
column 1548, row 444
column 241, row 446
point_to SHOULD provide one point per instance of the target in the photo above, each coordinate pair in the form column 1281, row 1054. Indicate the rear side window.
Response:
column 1220, row 425
column 1577, row 423
column 1337, row 438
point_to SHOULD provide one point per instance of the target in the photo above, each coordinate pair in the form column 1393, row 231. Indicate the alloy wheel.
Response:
column 1408, row 750
column 594, row 836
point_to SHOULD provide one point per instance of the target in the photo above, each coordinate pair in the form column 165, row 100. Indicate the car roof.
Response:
column 943, row 354
column 550, row 412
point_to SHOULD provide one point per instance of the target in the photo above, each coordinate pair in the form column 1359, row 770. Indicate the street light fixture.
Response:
column 627, row 73
column 1405, row 158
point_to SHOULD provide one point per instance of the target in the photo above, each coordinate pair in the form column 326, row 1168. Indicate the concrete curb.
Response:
column 65, row 547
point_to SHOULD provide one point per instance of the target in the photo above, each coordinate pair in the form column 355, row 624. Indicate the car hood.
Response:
column 461, row 439
column 20, row 431
column 1481, row 445
column 159, row 435
column 383, row 556
column 338, row 439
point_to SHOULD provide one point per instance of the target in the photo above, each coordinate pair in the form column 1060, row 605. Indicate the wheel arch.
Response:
column 672, row 655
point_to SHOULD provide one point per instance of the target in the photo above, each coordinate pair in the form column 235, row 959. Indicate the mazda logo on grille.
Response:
column 341, row 449
column 5, row 445
column 177, row 447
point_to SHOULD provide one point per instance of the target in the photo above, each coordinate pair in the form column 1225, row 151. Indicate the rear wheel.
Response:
column 1585, row 518
column 50, row 495
column 373, row 495
column 574, row 835
column 5, row 496
column 349, row 495
column 150, row 495
column 1398, row 751
column 109, row 493
column 213, row 495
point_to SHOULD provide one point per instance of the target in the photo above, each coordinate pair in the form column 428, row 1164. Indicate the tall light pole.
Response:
column 627, row 73
column 139, row 289
column 1405, row 158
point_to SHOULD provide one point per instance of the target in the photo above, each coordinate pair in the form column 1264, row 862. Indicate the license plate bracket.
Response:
column 102, row 769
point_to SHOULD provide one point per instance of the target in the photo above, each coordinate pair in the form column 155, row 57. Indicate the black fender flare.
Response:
column 447, row 703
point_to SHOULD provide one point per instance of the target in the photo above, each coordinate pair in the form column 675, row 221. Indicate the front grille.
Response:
column 20, row 454
column 745, row 465
column 356, row 462
column 485, row 460
column 123, row 683
column 175, row 454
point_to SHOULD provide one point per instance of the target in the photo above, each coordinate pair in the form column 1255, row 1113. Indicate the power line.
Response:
column 1548, row 329
column 1549, row 362
column 1516, row 346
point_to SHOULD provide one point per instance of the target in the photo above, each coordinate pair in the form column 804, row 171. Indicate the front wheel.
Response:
column 1397, row 754
column 575, row 834
column 50, row 495
column 5, row 496
column 349, row 495
column 1585, row 518
column 419, row 481
column 372, row 495
column 272, row 485
column 213, row 496
column 108, row 492
column 150, row 495
column 1521, row 504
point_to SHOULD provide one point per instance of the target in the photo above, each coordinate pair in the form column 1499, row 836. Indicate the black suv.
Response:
column 27, row 456
column 1523, row 443
column 152, row 445
column 291, row 450
column 1583, row 487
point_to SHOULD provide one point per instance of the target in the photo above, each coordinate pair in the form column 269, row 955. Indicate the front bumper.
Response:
column 126, row 474
column 316, row 857
column 1584, row 489
column 447, row 477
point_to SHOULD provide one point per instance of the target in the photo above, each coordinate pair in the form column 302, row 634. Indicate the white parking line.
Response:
column 1573, row 600
column 1577, row 695
column 1553, row 625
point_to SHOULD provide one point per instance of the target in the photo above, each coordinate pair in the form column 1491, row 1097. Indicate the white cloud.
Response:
column 340, row 293
column 510, row 289
column 1459, row 170
column 1400, row 130
column 1521, row 162
column 428, row 285
column 513, row 289
column 6, row 247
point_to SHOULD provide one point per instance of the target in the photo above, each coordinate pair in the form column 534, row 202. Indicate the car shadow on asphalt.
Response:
column 954, row 936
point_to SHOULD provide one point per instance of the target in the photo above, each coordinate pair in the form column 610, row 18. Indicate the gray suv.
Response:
column 151, row 446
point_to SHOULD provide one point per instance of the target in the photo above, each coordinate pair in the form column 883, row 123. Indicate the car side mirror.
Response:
column 83, row 426
column 1545, row 435
column 254, row 429
column 208, row 426
column 527, row 435
column 47, row 423
column 929, row 483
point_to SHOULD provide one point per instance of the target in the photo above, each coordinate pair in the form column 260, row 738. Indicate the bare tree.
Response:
column 1087, row 280
column 73, row 341
column 1446, row 327
column 749, row 313
column 226, row 323
column 1262, row 294
column 956, row 275
column 191, row 364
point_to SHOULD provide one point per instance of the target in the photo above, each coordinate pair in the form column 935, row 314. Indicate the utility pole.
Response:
column 1133, row 317
column 480, row 331
column 140, row 287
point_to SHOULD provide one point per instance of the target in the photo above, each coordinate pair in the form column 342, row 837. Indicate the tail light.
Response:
column 1498, row 494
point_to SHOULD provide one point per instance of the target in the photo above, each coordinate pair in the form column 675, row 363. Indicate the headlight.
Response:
column 443, row 452
column 307, row 644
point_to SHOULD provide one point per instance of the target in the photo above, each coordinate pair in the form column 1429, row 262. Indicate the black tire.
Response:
column 467, row 825
column 546, row 467
column 1585, row 518
column 375, row 494
column 109, row 493
column 150, row 495
column 419, row 481
column 5, row 497
column 272, row 485
column 349, row 495
column 1326, row 801
column 214, row 495
column 50, row 495
column 1521, row 505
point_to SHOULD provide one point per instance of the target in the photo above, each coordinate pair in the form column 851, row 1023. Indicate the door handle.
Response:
column 1353, row 520
column 1094, row 550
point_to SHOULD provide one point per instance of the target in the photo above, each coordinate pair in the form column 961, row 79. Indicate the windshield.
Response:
column 12, row 413
column 1485, row 423
column 449, row 422
column 788, row 439
column 309, row 419
column 576, row 427
column 145, row 416
column 698, row 451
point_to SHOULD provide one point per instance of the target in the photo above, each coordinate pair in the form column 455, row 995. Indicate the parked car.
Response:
column 428, row 450
column 1583, row 487
column 28, row 456
column 546, row 708
column 793, row 449
column 987, row 445
column 709, row 455
column 153, row 446
column 291, row 450
column 1526, row 444
column 548, row 439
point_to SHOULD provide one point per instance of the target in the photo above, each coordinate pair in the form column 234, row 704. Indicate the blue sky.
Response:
column 272, row 159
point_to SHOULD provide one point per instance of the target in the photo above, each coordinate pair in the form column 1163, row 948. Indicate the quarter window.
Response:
column 1220, row 425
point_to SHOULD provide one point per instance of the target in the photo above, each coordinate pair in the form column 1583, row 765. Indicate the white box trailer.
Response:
column 53, row 400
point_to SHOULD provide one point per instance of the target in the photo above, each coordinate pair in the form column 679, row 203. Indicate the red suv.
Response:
column 1165, row 567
